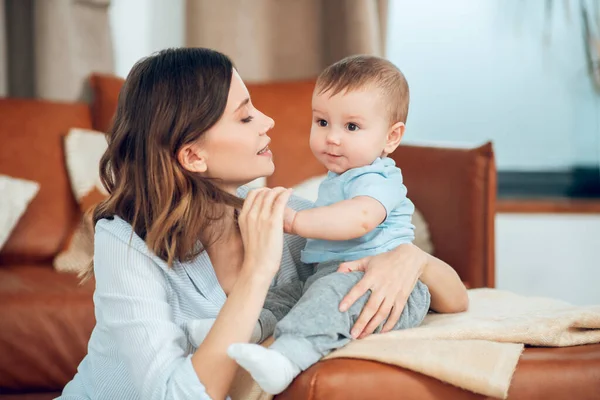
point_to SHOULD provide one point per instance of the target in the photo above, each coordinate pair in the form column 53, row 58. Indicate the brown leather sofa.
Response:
column 46, row 317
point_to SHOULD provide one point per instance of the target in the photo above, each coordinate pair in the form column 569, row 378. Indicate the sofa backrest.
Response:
column 31, row 147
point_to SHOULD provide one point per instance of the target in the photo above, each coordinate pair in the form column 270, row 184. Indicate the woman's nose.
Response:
column 268, row 125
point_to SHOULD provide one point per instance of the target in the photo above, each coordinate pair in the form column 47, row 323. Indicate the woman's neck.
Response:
column 221, row 230
column 226, row 253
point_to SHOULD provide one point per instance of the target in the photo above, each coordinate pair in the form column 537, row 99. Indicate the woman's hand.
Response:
column 261, row 226
column 390, row 277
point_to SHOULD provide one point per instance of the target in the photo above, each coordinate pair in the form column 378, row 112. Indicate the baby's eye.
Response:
column 247, row 119
column 322, row 123
column 352, row 127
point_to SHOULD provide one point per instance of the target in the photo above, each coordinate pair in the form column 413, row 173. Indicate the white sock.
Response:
column 270, row 369
column 198, row 330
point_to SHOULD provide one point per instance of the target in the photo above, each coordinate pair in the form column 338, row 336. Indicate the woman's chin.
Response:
column 269, row 171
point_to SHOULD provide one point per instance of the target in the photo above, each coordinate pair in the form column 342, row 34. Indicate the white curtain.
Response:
column 286, row 39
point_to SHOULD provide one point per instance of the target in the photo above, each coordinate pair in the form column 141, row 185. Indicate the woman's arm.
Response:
column 261, row 227
column 391, row 277
column 448, row 293
column 234, row 324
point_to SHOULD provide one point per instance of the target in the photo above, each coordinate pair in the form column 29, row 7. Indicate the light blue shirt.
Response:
column 140, row 347
column 381, row 180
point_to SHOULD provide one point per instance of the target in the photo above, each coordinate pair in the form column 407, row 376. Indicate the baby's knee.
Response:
column 416, row 307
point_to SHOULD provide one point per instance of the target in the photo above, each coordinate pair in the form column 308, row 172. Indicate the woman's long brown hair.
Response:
column 168, row 100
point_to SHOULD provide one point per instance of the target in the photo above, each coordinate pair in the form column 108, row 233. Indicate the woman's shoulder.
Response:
column 117, row 227
column 111, row 234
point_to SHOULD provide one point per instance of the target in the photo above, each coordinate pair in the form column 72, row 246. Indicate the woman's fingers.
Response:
column 266, row 209
column 281, row 202
column 248, row 202
column 384, row 312
column 367, row 313
column 351, row 266
column 393, row 318
column 354, row 294
column 256, row 206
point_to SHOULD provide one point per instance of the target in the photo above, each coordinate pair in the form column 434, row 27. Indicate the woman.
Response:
column 185, row 139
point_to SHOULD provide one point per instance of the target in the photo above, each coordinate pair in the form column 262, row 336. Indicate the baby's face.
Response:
column 349, row 130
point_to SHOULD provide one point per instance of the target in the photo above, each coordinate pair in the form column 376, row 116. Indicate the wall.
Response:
column 141, row 27
column 481, row 70
column 549, row 255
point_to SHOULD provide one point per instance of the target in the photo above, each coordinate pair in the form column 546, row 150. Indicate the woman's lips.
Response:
column 265, row 151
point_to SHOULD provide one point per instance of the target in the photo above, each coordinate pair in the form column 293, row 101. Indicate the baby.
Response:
column 359, row 106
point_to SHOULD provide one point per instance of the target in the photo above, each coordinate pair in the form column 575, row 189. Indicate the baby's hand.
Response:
column 289, row 216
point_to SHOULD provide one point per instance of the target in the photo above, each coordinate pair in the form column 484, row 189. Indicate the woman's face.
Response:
column 235, row 149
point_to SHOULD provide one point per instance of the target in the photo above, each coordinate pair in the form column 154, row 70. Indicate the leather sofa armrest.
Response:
column 455, row 189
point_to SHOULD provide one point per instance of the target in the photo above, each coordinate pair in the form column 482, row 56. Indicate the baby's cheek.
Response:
column 314, row 143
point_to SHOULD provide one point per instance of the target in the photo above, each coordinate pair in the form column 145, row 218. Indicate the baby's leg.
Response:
column 311, row 330
column 314, row 328
column 278, row 303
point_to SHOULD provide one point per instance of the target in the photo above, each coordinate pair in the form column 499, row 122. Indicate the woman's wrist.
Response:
column 421, row 258
column 253, row 276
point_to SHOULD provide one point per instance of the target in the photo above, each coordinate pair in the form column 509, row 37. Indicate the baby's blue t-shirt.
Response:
column 381, row 180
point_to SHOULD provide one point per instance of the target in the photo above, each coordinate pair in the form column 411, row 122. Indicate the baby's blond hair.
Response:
column 360, row 71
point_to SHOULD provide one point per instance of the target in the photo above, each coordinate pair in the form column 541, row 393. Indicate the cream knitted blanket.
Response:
column 477, row 350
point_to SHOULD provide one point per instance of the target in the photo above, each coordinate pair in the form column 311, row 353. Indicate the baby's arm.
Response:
column 345, row 220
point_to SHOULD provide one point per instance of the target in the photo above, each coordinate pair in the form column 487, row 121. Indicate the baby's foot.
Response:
column 269, row 368
column 199, row 328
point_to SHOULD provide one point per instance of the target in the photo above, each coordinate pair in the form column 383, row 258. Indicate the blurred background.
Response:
column 523, row 74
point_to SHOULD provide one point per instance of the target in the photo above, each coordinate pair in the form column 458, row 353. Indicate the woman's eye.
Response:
column 322, row 123
column 352, row 127
column 248, row 119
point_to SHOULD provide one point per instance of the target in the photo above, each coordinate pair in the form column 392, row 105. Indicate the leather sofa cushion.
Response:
column 31, row 133
column 47, row 319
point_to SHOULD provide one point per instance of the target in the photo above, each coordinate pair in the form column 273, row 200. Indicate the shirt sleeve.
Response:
column 131, row 301
column 389, row 190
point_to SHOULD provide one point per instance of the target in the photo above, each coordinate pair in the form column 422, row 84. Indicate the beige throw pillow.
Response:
column 83, row 150
column 80, row 251
column 15, row 196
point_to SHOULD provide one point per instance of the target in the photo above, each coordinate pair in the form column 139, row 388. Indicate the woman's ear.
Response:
column 192, row 158
column 394, row 137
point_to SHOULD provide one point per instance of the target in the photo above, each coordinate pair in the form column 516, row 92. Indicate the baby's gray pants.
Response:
column 310, row 324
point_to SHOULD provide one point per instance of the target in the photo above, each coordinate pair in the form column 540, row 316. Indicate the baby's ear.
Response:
column 394, row 137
